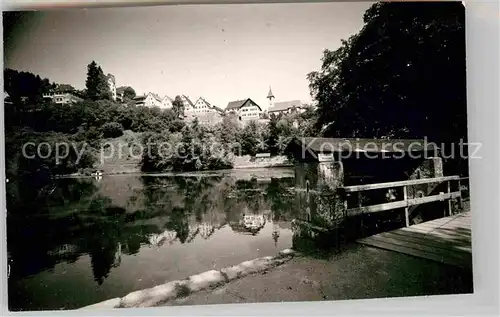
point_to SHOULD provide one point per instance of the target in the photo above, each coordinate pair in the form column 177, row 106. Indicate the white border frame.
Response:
column 483, row 53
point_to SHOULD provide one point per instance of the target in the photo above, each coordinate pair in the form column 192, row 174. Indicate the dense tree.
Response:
column 129, row 93
column 178, row 107
column 97, row 83
column 402, row 75
column 89, row 121
column 25, row 86
column 112, row 130
column 273, row 136
column 194, row 148
column 228, row 132
column 250, row 138
column 64, row 88
column 59, row 152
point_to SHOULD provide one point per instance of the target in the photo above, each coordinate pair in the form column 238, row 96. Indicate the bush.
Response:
column 193, row 149
column 73, row 154
column 112, row 130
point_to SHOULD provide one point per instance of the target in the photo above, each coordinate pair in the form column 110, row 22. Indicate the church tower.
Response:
column 270, row 96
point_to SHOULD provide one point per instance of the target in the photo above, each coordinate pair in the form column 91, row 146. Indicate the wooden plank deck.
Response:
column 446, row 240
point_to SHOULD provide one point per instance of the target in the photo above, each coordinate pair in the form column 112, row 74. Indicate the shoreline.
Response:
column 163, row 293
column 183, row 173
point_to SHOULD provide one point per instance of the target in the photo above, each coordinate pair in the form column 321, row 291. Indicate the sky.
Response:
column 219, row 52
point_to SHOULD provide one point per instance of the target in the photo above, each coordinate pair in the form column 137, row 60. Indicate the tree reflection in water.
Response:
column 121, row 216
column 82, row 217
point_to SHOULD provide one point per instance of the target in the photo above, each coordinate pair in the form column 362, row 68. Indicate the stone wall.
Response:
column 318, row 194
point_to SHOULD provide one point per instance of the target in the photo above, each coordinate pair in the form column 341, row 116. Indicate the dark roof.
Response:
column 156, row 96
column 284, row 105
column 329, row 145
column 139, row 98
column 64, row 88
column 218, row 109
column 235, row 104
column 188, row 100
column 210, row 105
column 239, row 103
column 119, row 90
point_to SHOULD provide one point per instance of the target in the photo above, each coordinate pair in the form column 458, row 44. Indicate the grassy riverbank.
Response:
column 120, row 156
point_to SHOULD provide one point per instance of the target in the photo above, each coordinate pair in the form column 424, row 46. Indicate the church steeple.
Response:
column 270, row 96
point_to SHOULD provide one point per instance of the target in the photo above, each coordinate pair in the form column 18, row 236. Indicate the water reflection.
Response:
column 121, row 216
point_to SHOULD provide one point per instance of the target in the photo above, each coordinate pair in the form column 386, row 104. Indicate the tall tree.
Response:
column 178, row 106
column 402, row 75
column 273, row 134
column 97, row 83
column 250, row 138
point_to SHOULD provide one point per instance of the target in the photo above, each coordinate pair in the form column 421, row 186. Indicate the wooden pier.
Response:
column 446, row 240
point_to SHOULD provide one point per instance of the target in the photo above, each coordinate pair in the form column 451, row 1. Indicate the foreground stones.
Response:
column 211, row 279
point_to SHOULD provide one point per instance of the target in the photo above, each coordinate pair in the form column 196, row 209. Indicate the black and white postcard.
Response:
column 236, row 153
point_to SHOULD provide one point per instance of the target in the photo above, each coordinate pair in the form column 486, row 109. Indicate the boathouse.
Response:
column 335, row 162
column 325, row 167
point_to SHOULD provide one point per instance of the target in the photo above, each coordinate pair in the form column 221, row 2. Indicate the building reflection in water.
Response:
column 157, row 240
column 249, row 224
column 110, row 218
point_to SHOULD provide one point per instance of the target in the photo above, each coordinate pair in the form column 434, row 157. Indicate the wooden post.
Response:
column 460, row 200
column 362, row 214
column 345, row 205
column 449, row 199
column 405, row 198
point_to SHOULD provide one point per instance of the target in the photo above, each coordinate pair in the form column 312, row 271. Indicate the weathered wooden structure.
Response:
column 446, row 240
column 361, row 177
column 337, row 162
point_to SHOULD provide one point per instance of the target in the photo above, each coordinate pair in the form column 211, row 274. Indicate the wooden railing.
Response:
column 461, row 181
column 406, row 202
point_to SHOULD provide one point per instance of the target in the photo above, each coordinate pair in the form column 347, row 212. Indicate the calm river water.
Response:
column 96, row 239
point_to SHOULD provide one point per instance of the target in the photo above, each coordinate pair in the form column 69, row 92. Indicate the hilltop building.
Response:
column 205, row 112
column 287, row 107
column 112, row 86
column 120, row 92
column 152, row 100
column 62, row 98
column 270, row 97
column 284, row 107
column 246, row 110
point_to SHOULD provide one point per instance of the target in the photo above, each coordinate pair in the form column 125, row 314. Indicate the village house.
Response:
column 59, row 98
column 284, row 107
column 246, row 110
column 202, row 110
column 167, row 102
column 205, row 112
column 120, row 93
column 152, row 100
column 148, row 100
column 188, row 104
column 287, row 107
